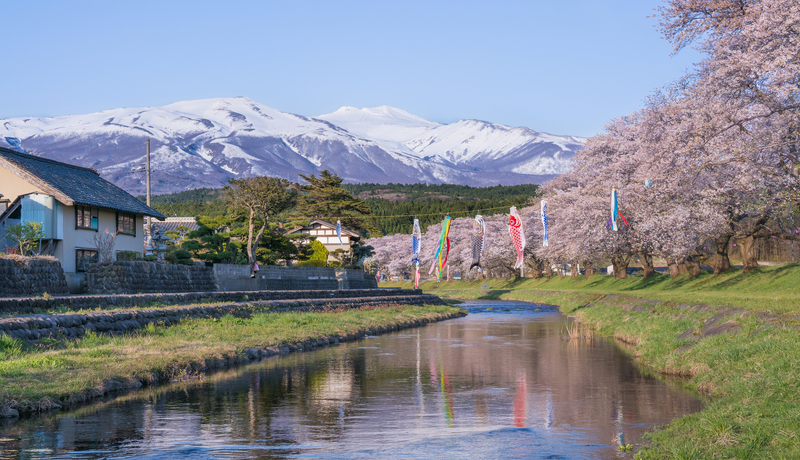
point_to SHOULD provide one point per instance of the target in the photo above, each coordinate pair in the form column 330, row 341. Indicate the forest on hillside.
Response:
column 191, row 203
column 393, row 206
column 429, row 191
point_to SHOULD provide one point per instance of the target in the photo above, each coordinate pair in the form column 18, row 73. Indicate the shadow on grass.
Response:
column 494, row 294
column 516, row 282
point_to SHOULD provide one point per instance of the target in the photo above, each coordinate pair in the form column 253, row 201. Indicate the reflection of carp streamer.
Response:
column 521, row 403
column 478, row 241
column 447, row 396
column 517, row 234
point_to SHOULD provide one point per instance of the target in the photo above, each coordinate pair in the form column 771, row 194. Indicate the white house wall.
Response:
column 78, row 238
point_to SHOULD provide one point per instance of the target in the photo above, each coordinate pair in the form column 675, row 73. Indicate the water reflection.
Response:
column 497, row 383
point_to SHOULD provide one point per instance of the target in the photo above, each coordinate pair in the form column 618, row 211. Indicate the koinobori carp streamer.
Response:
column 517, row 234
column 478, row 241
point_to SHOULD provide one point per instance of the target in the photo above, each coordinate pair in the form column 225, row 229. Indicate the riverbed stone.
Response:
column 691, row 334
column 728, row 327
column 8, row 412
column 111, row 386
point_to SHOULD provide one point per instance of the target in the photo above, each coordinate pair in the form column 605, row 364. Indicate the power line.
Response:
column 418, row 215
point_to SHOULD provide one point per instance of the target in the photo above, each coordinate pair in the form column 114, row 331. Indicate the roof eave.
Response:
column 38, row 182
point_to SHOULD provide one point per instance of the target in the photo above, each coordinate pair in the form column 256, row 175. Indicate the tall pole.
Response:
column 147, row 168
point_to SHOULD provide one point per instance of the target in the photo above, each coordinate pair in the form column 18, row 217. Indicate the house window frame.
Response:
column 123, row 215
column 81, row 259
column 94, row 217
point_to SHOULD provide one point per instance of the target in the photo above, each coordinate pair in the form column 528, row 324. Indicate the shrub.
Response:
column 125, row 256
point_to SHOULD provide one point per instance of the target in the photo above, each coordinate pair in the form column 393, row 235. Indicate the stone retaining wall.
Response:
column 237, row 278
column 94, row 302
column 141, row 276
column 30, row 276
column 74, row 325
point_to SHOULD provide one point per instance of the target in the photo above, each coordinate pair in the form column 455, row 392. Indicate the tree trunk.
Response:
column 251, row 226
column 720, row 261
column 620, row 264
column 589, row 268
column 548, row 269
column 746, row 249
column 693, row 267
column 674, row 269
column 647, row 264
column 537, row 268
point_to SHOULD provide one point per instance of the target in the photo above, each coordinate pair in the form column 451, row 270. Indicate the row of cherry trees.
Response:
column 710, row 159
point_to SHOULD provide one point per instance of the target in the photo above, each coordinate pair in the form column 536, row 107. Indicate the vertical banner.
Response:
column 614, row 209
column 544, row 222
column 517, row 235
column 339, row 230
column 440, row 258
column 416, row 245
column 478, row 241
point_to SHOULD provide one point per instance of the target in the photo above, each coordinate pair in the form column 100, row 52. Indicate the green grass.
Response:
column 753, row 375
column 775, row 288
column 32, row 376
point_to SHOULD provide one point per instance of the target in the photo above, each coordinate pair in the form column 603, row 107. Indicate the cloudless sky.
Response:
column 563, row 67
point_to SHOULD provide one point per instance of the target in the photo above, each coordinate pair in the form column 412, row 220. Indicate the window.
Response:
column 84, row 258
column 86, row 217
column 126, row 223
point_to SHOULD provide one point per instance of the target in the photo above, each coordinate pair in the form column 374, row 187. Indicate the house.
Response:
column 73, row 204
column 326, row 234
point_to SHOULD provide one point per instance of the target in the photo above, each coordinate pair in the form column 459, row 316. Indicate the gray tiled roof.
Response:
column 324, row 224
column 82, row 186
column 172, row 223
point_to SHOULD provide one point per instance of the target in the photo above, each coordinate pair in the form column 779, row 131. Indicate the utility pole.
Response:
column 147, row 168
column 148, row 229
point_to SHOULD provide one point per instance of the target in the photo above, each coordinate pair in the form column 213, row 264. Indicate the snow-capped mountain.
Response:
column 204, row 143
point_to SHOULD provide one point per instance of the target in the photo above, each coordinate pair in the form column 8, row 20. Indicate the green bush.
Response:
column 125, row 256
column 311, row 263
column 181, row 254
column 320, row 253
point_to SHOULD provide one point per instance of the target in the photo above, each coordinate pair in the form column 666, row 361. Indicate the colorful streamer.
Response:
column 444, row 242
column 517, row 234
column 443, row 249
column 416, row 245
column 339, row 230
column 544, row 222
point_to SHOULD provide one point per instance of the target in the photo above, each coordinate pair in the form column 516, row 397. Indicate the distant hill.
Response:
column 203, row 143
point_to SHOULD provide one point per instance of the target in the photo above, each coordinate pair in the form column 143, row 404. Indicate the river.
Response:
column 501, row 382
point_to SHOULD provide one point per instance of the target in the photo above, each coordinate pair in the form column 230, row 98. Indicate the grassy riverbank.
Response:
column 734, row 336
column 37, row 377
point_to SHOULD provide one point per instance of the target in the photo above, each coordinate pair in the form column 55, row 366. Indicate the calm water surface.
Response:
column 499, row 383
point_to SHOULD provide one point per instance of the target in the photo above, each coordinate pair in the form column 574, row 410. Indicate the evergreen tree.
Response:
column 324, row 198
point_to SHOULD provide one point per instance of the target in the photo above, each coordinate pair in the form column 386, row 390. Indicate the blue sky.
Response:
column 563, row 67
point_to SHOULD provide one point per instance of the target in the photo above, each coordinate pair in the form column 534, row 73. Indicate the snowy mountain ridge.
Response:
column 203, row 143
